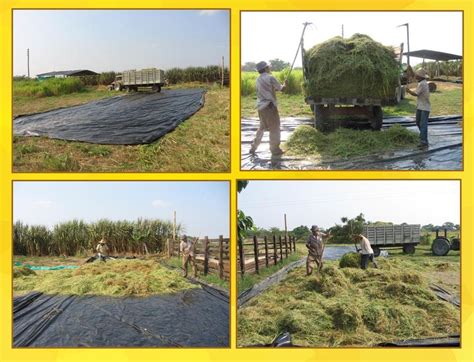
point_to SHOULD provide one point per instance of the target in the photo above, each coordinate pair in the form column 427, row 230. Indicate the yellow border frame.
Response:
column 466, row 353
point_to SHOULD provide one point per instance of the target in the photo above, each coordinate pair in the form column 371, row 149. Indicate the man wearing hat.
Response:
column 102, row 250
column 186, row 247
column 267, row 85
column 423, row 105
column 365, row 250
column 315, row 247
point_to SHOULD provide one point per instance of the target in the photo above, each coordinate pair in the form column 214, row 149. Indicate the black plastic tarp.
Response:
column 124, row 120
column 194, row 318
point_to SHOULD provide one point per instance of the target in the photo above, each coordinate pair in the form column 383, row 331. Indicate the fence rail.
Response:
column 212, row 255
column 255, row 254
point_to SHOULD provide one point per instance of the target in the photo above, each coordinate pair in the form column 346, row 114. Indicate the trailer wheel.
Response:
column 377, row 120
column 322, row 120
column 376, row 250
column 118, row 87
column 409, row 249
column 440, row 246
column 402, row 92
column 156, row 88
column 455, row 244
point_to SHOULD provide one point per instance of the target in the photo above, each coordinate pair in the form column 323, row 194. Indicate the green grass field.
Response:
column 200, row 144
column 354, row 307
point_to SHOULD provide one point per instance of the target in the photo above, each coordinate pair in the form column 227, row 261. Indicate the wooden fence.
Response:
column 255, row 254
column 212, row 255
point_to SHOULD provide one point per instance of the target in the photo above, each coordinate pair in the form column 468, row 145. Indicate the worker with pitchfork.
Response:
column 186, row 247
column 315, row 246
column 267, row 108
column 102, row 250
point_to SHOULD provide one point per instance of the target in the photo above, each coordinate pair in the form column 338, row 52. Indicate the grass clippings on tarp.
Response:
column 348, row 307
column 345, row 143
column 353, row 67
column 116, row 278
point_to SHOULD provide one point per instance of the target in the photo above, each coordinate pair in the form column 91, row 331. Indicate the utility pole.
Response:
column 286, row 228
column 28, row 61
column 342, row 31
column 222, row 78
column 408, row 40
column 174, row 229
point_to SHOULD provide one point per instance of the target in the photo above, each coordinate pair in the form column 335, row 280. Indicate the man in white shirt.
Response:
column 267, row 107
column 423, row 105
column 366, row 251
column 186, row 247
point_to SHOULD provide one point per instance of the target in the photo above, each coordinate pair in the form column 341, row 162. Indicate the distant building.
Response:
column 66, row 74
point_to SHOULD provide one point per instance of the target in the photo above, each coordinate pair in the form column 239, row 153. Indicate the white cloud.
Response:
column 208, row 12
column 43, row 204
column 159, row 203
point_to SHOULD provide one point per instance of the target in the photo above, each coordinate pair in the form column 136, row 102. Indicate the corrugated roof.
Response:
column 433, row 55
column 65, row 72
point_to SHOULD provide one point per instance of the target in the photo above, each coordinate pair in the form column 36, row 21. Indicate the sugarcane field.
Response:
column 349, row 92
column 386, row 275
column 100, row 278
column 127, row 104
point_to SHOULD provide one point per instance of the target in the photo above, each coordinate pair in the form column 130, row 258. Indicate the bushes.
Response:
column 77, row 237
column 209, row 74
column 295, row 81
column 48, row 87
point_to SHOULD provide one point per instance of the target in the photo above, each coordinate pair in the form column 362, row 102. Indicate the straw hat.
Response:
column 262, row 65
column 421, row 73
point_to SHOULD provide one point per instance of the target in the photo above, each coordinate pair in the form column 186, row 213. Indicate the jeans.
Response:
column 422, row 123
column 269, row 121
column 364, row 260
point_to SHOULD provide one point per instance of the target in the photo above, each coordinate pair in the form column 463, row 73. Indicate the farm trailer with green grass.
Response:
column 393, row 236
column 348, row 81
column 130, row 80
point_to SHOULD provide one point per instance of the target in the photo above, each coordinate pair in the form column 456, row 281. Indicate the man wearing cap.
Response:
column 266, row 86
column 365, row 250
column 423, row 105
column 315, row 248
column 102, row 250
column 186, row 247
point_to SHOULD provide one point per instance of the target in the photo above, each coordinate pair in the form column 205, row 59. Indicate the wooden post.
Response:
column 206, row 255
column 281, row 247
column 275, row 256
column 222, row 78
column 28, row 61
column 286, row 247
column 241, row 256
column 221, row 257
column 255, row 253
column 266, row 250
column 168, row 245
column 174, row 230
column 294, row 243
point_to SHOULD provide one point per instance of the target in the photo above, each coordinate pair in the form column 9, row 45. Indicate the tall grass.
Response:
column 77, row 237
column 209, row 74
column 47, row 87
column 295, row 81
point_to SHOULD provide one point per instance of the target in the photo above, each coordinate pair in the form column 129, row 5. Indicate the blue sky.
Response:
column 324, row 202
column 441, row 31
column 103, row 40
column 202, row 207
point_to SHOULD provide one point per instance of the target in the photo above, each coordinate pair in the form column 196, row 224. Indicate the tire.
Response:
column 156, row 88
column 376, row 250
column 409, row 249
column 402, row 92
column 440, row 246
column 432, row 87
column 118, row 87
column 322, row 121
column 455, row 244
column 377, row 120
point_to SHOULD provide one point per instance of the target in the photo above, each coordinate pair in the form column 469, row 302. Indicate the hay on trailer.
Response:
column 357, row 67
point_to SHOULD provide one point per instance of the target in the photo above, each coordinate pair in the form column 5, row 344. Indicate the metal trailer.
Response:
column 341, row 111
column 130, row 80
column 441, row 245
column 392, row 236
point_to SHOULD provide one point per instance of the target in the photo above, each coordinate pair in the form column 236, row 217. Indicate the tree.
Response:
column 244, row 222
column 448, row 226
column 300, row 232
column 249, row 67
column 278, row 64
column 343, row 233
